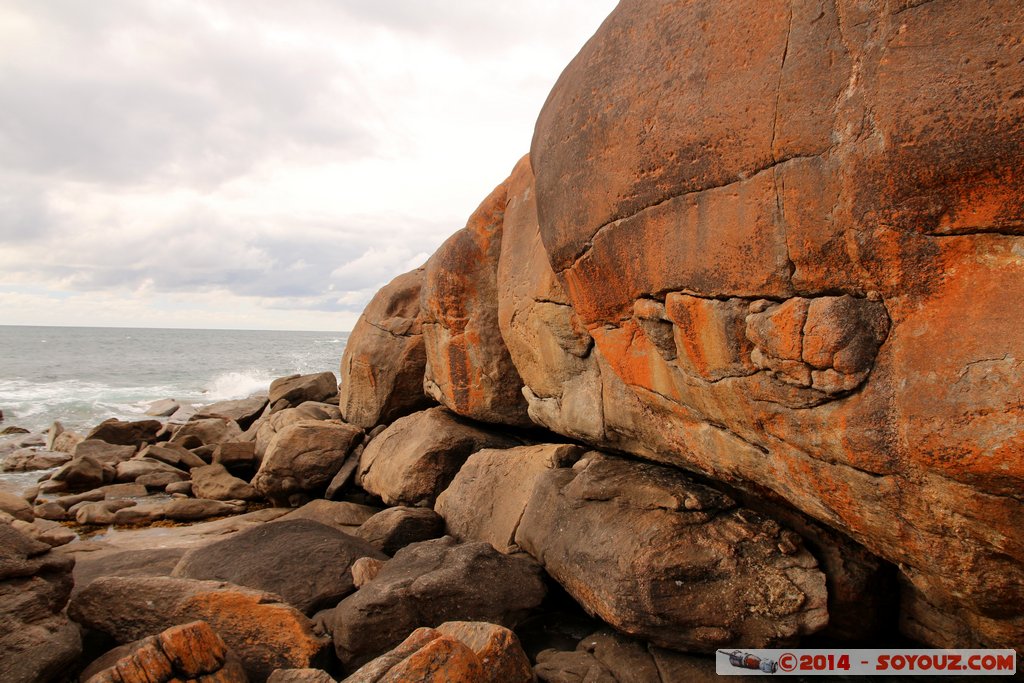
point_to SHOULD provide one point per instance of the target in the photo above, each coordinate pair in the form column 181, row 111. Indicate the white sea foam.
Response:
column 231, row 385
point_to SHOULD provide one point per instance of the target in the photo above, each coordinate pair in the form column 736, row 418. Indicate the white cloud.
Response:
column 254, row 164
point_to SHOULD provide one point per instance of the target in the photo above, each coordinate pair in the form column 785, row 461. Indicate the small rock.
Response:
column 66, row 442
column 16, row 506
column 122, row 433
column 52, row 511
column 55, row 430
column 296, row 389
column 13, row 430
column 429, row 583
column 392, row 529
column 179, row 488
column 341, row 515
column 243, row 411
column 83, row 472
column 236, row 454
column 365, row 570
column 216, row 483
column 209, row 431
column 107, row 453
column 44, row 531
column 27, row 460
column 193, row 509
column 163, row 408
column 172, row 454
column 100, row 513
column 131, row 470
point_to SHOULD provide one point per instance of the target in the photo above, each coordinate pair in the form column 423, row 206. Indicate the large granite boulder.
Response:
column 468, row 368
column 658, row 556
column 384, row 360
column 791, row 232
column 37, row 642
column 428, row 583
column 303, row 458
column 306, row 563
column 416, row 457
column 265, row 633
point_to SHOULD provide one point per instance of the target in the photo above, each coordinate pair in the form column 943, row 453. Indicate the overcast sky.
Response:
column 254, row 163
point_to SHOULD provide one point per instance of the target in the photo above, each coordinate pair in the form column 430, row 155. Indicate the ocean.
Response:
column 83, row 375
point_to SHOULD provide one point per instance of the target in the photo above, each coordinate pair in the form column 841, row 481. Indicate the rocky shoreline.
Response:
column 716, row 367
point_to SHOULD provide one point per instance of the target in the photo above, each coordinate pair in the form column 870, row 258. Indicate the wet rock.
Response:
column 429, row 583
column 304, row 457
column 416, row 457
column 264, row 633
column 100, row 513
column 122, row 433
column 661, row 557
column 306, row 563
column 394, row 528
column 502, row 483
column 297, row 389
column 384, row 360
column 216, row 483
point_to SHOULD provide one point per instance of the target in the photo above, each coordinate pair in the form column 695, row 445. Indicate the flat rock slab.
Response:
column 305, row 562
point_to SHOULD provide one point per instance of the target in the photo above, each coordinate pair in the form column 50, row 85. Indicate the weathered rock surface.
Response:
column 473, row 652
column 208, row 431
column 394, row 528
column 384, row 361
column 468, row 368
column 304, row 457
column 104, row 452
column 37, row 642
column 272, row 424
column 190, row 652
column 28, row 459
column 264, row 633
column 244, row 411
column 306, row 563
column 296, row 389
column 416, row 457
column 16, row 506
column 429, row 583
column 122, row 433
column 300, row 676
column 488, row 496
column 172, row 454
column 83, row 472
column 661, row 557
column 340, row 515
column 216, row 483
column 799, row 269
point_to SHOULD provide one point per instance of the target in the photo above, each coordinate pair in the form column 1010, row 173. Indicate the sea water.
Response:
column 84, row 375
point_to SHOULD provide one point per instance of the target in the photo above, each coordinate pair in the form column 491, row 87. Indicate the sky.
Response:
column 254, row 164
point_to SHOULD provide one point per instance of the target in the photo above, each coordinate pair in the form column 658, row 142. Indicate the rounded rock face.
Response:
column 304, row 457
column 792, row 234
